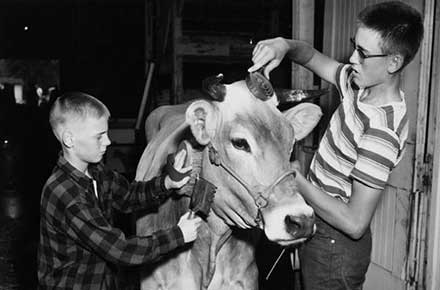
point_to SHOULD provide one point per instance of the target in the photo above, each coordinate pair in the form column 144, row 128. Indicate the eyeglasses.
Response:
column 361, row 53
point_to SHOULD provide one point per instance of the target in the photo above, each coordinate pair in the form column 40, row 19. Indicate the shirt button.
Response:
column 332, row 241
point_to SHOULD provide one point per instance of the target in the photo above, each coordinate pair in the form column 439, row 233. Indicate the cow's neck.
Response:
column 212, row 236
column 214, row 233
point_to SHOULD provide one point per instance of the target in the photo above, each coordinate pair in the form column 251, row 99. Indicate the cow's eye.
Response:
column 241, row 144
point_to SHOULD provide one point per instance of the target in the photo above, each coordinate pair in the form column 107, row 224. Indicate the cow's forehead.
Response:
column 239, row 99
column 238, row 94
column 240, row 105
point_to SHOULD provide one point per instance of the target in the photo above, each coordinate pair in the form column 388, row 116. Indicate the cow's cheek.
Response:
column 232, row 210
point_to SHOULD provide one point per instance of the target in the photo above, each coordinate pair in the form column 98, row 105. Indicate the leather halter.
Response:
column 261, row 197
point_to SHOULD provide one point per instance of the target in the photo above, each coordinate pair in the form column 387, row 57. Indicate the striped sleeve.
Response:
column 378, row 154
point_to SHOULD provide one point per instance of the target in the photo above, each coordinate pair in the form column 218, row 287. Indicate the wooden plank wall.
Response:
column 433, row 236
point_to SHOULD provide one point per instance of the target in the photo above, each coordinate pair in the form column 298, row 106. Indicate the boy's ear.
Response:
column 67, row 138
column 395, row 64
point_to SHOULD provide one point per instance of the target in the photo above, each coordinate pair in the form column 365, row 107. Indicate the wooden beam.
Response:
column 303, row 28
column 432, row 27
column 177, row 66
column 149, row 38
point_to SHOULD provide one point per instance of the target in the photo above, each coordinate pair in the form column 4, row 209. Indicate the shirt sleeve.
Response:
column 91, row 229
column 129, row 197
column 378, row 153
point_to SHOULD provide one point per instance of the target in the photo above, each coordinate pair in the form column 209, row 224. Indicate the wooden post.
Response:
column 431, row 75
column 141, row 112
column 149, row 39
column 303, row 27
column 177, row 67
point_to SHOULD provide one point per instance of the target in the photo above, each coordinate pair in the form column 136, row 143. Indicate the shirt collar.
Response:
column 69, row 169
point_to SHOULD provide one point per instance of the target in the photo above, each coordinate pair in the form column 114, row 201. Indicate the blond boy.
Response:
column 79, row 246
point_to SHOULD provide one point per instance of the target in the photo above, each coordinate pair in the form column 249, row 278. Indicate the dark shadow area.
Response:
column 100, row 46
column 283, row 276
column 28, row 151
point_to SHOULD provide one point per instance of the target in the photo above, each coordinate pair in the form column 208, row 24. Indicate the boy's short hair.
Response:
column 399, row 25
column 74, row 105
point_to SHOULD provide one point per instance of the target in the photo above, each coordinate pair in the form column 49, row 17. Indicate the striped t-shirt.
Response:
column 363, row 142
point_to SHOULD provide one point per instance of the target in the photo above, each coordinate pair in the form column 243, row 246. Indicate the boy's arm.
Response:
column 378, row 153
column 271, row 52
column 352, row 218
column 87, row 226
column 128, row 197
column 152, row 193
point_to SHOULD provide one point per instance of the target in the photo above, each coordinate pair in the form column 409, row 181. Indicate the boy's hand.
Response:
column 270, row 52
column 189, row 227
column 181, row 176
column 296, row 166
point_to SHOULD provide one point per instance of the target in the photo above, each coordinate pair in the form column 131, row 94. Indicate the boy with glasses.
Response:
column 364, row 141
column 361, row 52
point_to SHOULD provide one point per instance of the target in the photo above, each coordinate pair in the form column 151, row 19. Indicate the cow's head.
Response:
column 254, row 141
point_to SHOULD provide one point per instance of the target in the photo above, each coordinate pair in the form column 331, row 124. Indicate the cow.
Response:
column 242, row 145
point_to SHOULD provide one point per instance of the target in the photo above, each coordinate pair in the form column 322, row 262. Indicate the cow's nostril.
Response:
column 299, row 225
column 293, row 223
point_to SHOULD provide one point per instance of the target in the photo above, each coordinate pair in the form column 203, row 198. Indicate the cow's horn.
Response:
column 289, row 96
column 214, row 88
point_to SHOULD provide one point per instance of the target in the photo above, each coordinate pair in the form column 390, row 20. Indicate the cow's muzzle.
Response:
column 299, row 226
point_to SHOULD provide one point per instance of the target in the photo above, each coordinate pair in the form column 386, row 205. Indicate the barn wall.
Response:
column 432, row 277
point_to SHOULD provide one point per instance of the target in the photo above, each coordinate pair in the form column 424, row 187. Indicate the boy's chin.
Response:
column 97, row 159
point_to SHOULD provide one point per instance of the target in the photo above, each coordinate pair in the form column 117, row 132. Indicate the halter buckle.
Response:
column 260, row 201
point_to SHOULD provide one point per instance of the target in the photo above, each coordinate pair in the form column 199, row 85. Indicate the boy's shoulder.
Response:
column 60, row 188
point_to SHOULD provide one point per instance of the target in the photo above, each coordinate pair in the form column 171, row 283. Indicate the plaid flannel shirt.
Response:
column 79, row 247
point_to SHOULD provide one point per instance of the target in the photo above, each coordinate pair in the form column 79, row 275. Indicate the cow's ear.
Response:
column 201, row 116
column 303, row 117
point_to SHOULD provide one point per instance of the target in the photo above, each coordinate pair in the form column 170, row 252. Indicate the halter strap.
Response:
column 260, row 198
